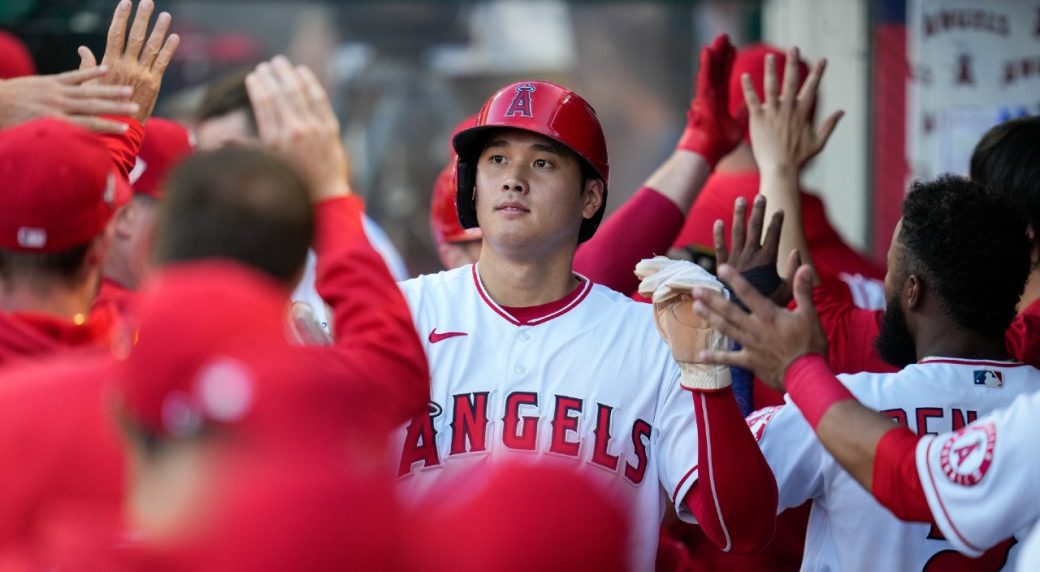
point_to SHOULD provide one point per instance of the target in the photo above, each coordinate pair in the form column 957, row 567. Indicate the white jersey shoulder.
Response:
column 981, row 481
column 847, row 525
column 591, row 384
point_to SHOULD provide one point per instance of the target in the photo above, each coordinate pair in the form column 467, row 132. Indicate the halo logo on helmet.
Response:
column 557, row 113
column 521, row 104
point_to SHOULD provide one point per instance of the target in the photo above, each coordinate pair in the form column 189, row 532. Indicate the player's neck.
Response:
column 118, row 270
column 51, row 298
column 946, row 339
column 520, row 284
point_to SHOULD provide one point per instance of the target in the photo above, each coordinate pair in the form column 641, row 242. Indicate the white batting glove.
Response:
column 669, row 283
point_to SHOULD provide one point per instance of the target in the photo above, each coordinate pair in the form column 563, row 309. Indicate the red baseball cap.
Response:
column 15, row 59
column 207, row 334
column 58, row 186
column 521, row 516
column 751, row 60
column 273, row 513
column 165, row 144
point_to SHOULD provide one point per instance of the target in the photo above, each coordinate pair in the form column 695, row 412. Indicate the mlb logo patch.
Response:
column 989, row 378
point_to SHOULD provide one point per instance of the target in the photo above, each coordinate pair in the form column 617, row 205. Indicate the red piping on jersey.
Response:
column 986, row 363
column 946, row 513
column 675, row 494
column 586, row 286
column 711, row 478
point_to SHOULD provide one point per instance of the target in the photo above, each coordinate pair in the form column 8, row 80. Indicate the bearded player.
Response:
column 945, row 332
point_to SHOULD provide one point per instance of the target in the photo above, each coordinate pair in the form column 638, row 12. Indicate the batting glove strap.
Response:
column 704, row 377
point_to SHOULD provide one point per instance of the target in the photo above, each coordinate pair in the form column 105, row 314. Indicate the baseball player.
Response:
column 962, row 371
column 737, row 175
column 128, row 262
column 226, row 116
column 269, row 245
column 920, row 395
column 52, row 236
column 1002, row 162
column 456, row 246
column 54, row 220
column 648, row 222
column 530, row 360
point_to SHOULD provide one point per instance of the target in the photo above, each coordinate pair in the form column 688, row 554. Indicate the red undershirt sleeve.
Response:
column 646, row 225
column 895, row 482
column 735, row 496
column 123, row 148
column 376, row 341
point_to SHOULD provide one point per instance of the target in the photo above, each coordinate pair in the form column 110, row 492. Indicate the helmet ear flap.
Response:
column 465, row 181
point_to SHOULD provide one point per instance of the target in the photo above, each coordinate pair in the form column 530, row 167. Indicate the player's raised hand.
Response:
column 711, row 130
column 755, row 255
column 295, row 118
column 138, row 59
column 782, row 130
column 771, row 337
column 67, row 96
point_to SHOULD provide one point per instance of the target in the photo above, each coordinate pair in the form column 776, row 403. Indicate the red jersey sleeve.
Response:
column 124, row 147
column 646, row 225
column 850, row 331
column 895, row 482
column 376, row 342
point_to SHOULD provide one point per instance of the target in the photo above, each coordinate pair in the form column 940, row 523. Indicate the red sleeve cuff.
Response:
column 338, row 220
column 813, row 387
column 124, row 147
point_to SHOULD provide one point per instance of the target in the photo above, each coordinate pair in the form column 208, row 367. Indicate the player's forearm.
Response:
column 779, row 184
column 373, row 326
column 735, row 496
column 645, row 225
column 680, row 178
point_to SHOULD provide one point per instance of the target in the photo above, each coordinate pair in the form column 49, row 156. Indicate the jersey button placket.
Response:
column 521, row 337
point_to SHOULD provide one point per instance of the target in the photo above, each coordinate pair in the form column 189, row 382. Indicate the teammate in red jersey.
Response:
column 267, row 208
column 54, row 239
column 129, row 258
column 738, row 175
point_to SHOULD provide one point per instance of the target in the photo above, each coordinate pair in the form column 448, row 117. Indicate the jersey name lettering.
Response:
column 520, row 429
column 933, row 420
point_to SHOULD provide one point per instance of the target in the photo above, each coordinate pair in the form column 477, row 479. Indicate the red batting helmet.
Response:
column 444, row 218
column 540, row 107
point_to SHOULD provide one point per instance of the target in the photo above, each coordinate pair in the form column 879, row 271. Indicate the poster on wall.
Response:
column 973, row 64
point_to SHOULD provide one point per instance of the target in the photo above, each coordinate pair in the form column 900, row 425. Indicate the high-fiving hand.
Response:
column 134, row 60
column 70, row 96
column 771, row 337
column 711, row 131
column 782, row 131
column 295, row 119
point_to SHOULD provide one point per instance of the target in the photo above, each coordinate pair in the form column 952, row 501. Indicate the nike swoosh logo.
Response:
column 435, row 337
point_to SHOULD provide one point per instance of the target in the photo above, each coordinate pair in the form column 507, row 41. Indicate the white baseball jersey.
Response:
column 981, row 481
column 591, row 384
column 848, row 529
column 1029, row 554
